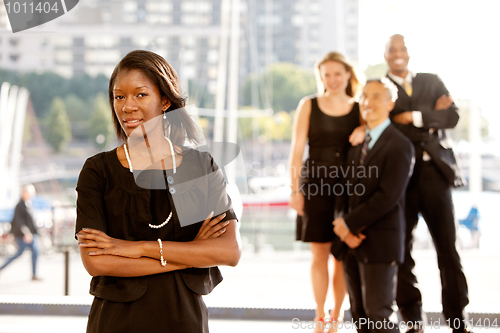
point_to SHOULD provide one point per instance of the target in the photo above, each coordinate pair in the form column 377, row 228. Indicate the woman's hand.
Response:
column 358, row 135
column 92, row 238
column 212, row 229
column 297, row 202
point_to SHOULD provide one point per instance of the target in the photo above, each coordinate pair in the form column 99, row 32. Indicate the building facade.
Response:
column 95, row 35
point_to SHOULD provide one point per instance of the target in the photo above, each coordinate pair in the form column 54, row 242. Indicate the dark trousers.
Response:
column 429, row 194
column 372, row 289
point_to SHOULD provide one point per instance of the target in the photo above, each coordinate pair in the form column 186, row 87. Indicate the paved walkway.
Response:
column 273, row 280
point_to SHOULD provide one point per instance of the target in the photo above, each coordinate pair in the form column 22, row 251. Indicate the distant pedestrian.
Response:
column 24, row 230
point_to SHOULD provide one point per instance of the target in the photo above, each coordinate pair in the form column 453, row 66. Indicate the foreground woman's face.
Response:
column 136, row 100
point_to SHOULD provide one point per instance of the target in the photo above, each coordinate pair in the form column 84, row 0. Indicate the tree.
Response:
column 77, row 109
column 282, row 84
column 44, row 87
column 58, row 125
column 376, row 71
column 101, row 123
column 275, row 128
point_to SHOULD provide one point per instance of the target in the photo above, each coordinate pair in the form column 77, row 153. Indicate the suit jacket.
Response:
column 427, row 88
column 22, row 218
column 375, row 205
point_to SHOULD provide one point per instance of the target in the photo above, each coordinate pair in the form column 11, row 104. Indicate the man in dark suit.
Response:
column 371, row 232
column 422, row 112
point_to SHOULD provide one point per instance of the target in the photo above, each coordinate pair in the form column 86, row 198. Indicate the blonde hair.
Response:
column 353, row 84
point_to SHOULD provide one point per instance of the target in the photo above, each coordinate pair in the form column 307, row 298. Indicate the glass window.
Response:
column 188, row 72
column 102, row 56
column 141, row 41
column 130, row 6
column 64, row 56
column 188, row 56
column 163, row 6
column 159, row 19
column 212, row 86
column 212, row 56
column 212, row 72
column 62, row 41
column 188, row 41
column 196, row 7
column 297, row 20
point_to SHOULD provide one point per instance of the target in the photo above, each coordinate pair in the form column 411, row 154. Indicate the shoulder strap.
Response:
column 314, row 102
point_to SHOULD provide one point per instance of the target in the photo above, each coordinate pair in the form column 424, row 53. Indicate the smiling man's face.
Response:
column 396, row 55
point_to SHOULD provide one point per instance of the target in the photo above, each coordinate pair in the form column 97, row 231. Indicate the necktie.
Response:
column 408, row 88
column 364, row 149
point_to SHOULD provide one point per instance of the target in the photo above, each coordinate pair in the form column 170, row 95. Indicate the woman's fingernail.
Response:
column 84, row 229
column 226, row 223
column 90, row 253
column 80, row 243
column 78, row 235
column 223, row 229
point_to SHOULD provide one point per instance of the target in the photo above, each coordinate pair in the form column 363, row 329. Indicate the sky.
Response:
column 456, row 39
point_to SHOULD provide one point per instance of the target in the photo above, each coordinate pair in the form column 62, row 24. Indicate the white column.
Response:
column 6, row 143
column 17, row 141
column 4, row 98
column 475, row 164
column 233, row 78
column 220, row 98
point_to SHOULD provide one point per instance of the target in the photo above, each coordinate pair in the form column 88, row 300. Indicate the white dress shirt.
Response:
column 417, row 115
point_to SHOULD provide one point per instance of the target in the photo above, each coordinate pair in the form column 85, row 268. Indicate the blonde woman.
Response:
column 329, row 122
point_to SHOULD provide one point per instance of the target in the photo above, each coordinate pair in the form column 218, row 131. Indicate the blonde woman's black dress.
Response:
column 321, row 173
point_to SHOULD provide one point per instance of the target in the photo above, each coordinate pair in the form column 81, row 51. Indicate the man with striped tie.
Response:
column 370, row 226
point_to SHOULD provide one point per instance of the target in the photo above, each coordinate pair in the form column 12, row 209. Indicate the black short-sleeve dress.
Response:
column 110, row 200
column 322, row 171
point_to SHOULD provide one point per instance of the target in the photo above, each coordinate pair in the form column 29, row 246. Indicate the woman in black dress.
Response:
column 329, row 123
column 149, row 260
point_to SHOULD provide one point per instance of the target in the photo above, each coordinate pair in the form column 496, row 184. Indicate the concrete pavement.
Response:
column 266, row 285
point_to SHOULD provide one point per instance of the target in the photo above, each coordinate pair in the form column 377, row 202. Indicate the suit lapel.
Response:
column 402, row 95
column 378, row 146
column 416, row 85
column 356, row 156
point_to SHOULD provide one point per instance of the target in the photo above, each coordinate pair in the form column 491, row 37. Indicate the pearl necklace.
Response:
column 174, row 169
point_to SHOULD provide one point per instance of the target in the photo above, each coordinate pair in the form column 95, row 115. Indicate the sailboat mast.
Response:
column 220, row 98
